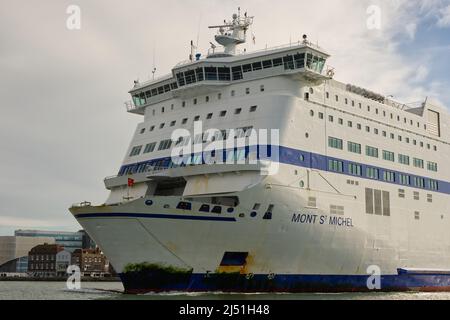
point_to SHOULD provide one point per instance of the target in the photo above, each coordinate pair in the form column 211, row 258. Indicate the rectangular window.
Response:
column 247, row 68
column 354, row 147
column 267, row 64
column 432, row 166
column 433, row 185
column 419, row 182
column 257, row 66
column 403, row 159
column 371, row 151
column 335, row 143
column 150, row 147
column 237, row 73
column 277, row 62
column 335, row 165
column 389, row 176
column 135, row 151
column 165, row 144
column 389, row 156
column 404, row 179
column 354, row 169
column 418, row 163
column 372, row 173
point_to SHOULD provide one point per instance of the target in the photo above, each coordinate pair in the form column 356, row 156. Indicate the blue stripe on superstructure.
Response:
column 152, row 216
column 315, row 161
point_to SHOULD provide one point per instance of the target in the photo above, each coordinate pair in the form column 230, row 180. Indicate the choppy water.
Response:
column 30, row 290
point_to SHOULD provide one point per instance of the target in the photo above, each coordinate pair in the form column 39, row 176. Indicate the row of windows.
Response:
column 227, row 156
column 224, row 73
column 42, row 257
column 377, row 111
column 199, row 138
column 368, row 129
column 142, row 98
column 209, row 116
column 42, row 266
column 353, row 147
column 387, row 176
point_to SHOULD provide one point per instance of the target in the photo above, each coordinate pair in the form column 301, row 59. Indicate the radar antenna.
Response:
column 234, row 32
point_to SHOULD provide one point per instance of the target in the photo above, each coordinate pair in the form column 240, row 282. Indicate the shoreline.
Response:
column 59, row 279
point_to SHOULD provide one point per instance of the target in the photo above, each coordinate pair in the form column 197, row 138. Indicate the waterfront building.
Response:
column 42, row 260
column 69, row 240
column 63, row 261
column 14, row 252
column 91, row 261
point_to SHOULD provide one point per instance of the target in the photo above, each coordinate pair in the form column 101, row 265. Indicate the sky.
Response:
column 63, row 123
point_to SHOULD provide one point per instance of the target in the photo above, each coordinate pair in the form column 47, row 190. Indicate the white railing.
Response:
column 130, row 105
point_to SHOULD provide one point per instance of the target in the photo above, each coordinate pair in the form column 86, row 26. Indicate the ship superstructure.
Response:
column 353, row 181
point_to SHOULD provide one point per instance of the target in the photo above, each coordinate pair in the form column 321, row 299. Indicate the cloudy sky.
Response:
column 63, row 125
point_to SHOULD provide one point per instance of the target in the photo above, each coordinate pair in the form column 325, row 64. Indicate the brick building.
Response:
column 91, row 262
column 42, row 260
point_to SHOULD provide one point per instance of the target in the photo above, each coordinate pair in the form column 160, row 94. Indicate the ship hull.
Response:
column 147, row 282
column 284, row 254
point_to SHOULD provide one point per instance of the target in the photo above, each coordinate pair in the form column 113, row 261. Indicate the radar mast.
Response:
column 234, row 32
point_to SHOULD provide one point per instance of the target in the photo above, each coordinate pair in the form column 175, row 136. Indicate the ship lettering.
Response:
column 341, row 221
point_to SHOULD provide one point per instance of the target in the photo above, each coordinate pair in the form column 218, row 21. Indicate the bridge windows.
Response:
column 277, row 62
column 211, row 73
column 257, row 66
column 237, row 73
column 224, row 73
column 267, row 64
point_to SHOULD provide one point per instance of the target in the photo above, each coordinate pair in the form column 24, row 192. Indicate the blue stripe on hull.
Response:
column 146, row 282
column 152, row 216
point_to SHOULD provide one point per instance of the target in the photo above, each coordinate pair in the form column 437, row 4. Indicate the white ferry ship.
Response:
column 353, row 186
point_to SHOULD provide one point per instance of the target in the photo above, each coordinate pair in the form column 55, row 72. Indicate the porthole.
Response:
column 242, row 215
column 311, row 112
column 166, row 206
column 148, row 202
column 253, row 214
column 302, row 184
column 230, row 210
column 307, row 135
column 302, row 158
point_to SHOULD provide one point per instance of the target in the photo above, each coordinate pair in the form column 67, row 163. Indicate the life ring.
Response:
column 271, row 276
